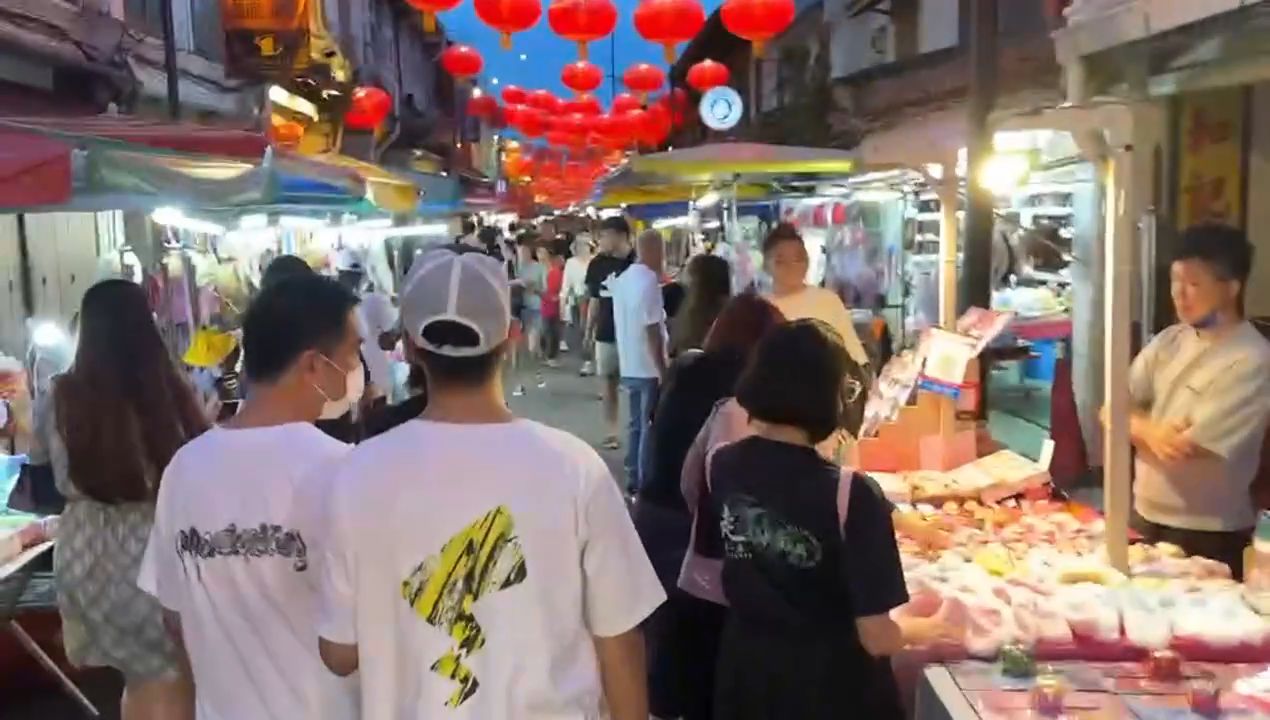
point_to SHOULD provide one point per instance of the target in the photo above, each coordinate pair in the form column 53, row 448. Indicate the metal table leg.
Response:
column 38, row 653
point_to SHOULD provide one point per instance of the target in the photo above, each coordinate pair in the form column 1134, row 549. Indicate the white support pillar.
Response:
column 1117, row 309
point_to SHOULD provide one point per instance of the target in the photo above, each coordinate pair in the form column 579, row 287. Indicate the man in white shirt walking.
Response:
column 237, row 530
column 482, row 566
column 639, row 317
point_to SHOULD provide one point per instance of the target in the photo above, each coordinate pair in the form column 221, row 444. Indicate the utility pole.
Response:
column 976, row 288
column 169, row 61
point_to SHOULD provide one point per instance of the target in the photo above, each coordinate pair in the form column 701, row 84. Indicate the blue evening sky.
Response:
column 538, row 54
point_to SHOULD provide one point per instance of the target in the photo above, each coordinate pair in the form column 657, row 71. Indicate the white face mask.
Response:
column 354, row 386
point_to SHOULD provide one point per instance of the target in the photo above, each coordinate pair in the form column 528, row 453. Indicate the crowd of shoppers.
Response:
column 326, row 552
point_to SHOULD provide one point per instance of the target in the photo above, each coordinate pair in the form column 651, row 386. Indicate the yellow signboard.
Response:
column 1211, row 159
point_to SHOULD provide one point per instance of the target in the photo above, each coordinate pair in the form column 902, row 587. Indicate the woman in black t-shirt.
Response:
column 810, row 565
column 683, row 634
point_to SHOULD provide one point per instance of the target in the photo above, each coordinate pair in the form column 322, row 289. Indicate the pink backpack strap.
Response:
column 844, row 497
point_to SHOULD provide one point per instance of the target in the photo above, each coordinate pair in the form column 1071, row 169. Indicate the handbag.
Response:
column 35, row 491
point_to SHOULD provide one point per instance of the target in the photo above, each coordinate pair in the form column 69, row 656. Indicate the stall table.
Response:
column 15, row 574
column 973, row 690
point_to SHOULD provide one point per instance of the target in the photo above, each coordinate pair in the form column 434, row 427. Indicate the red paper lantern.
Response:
column 624, row 103
column 508, row 16
column 655, row 125
column 543, row 100
column 367, row 108
column 582, row 21
column 513, row 95
column 669, row 22
column 583, row 104
column 581, row 76
column 430, row 8
column 462, row 61
column 757, row 20
column 482, row 106
column 531, row 121
column 839, row 214
column 643, row 78
column 708, row 74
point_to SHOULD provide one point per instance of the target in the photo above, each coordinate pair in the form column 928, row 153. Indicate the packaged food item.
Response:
column 1017, row 661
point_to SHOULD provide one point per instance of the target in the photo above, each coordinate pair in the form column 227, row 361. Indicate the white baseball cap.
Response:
column 462, row 286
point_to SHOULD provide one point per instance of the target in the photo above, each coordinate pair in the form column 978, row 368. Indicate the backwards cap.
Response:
column 467, row 288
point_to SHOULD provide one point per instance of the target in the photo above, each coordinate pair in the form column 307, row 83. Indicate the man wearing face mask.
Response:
column 239, row 530
column 1201, row 397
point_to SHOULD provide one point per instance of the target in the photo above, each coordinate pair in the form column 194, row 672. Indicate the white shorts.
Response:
column 606, row 365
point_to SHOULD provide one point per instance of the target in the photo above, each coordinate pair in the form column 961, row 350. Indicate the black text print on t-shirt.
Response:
column 263, row 540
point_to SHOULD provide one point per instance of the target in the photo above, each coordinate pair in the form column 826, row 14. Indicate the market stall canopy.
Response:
column 932, row 138
column 388, row 191
column 680, row 193
column 158, row 135
column 727, row 161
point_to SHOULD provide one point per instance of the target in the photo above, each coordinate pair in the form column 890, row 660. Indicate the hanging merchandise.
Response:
column 669, row 22
column 757, row 20
column 285, row 133
column 429, row 9
column 582, row 76
column 508, row 16
column 463, row 62
column 368, row 108
column 708, row 74
column 643, row 78
column 582, row 21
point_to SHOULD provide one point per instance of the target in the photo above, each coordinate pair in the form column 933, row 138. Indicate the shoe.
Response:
column 553, row 364
column 611, row 443
column 564, row 346
column 588, row 369
column 542, row 382
column 519, row 391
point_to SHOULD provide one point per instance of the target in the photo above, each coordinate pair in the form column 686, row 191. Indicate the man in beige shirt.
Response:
column 1201, row 396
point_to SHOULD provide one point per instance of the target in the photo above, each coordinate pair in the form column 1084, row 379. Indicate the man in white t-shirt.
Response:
column 639, row 318
column 234, row 551
column 481, row 566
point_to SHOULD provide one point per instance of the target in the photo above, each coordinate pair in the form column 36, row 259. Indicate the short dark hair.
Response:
column 1223, row 248
column 290, row 317
column 282, row 267
column 469, row 226
column 783, row 232
column 446, row 370
column 617, row 223
column 796, row 377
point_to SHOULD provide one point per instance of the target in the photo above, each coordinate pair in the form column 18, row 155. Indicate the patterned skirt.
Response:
column 107, row 621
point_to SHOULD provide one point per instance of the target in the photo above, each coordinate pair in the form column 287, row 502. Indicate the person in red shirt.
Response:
column 552, row 322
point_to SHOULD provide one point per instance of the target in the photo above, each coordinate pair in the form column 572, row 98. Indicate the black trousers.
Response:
column 1222, row 546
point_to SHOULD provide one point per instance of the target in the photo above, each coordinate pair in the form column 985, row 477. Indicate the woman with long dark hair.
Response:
column 683, row 634
column 709, row 280
column 109, row 427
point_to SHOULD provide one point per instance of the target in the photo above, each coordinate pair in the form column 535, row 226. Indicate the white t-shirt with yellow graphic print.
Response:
column 472, row 565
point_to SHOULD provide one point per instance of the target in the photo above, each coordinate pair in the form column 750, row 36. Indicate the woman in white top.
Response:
column 785, row 260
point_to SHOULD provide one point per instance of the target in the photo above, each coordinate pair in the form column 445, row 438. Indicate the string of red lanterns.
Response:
column 757, row 20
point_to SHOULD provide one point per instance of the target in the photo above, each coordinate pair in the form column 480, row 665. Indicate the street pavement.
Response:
column 568, row 402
